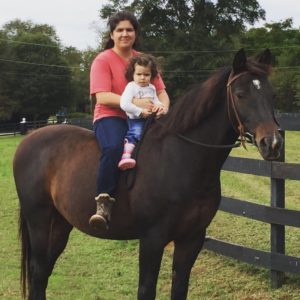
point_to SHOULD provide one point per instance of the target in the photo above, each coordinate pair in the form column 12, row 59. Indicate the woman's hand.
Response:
column 144, row 103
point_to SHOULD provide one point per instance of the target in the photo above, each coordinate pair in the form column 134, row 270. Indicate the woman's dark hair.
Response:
column 145, row 60
column 113, row 22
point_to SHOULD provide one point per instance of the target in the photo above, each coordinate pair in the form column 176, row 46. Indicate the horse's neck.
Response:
column 216, row 129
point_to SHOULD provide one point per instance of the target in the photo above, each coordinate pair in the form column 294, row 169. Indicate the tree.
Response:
column 35, row 81
column 79, row 63
column 284, row 41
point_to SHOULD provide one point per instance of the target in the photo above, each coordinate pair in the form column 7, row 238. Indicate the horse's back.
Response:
column 55, row 134
column 49, row 147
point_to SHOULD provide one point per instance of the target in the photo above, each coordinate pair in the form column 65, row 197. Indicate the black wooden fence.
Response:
column 275, row 214
column 17, row 128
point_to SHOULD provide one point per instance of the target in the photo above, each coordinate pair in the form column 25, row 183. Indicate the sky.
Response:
column 77, row 22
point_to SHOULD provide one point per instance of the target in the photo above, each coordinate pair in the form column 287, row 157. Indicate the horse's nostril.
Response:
column 263, row 143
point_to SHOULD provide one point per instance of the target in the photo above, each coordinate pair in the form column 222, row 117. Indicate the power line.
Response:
column 212, row 70
column 165, row 51
column 26, row 43
column 37, row 64
column 165, row 71
column 220, row 50
column 35, row 74
column 296, row 68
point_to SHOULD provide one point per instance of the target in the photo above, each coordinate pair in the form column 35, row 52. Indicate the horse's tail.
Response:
column 25, row 254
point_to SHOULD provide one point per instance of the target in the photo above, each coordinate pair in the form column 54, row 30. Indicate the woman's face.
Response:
column 123, row 35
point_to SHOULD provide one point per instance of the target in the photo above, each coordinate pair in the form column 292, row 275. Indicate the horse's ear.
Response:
column 239, row 61
column 265, row 57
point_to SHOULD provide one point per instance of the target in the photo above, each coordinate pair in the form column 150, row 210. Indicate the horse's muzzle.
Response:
column 269, row 141
column 270, row 146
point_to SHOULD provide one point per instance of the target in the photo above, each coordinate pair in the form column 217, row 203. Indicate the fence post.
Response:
column 277, row 231
column 23, row 126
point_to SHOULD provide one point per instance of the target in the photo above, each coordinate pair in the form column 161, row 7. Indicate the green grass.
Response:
column 97, row 269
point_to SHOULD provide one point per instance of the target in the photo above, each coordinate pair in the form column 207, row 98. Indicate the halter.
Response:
column 230, row 101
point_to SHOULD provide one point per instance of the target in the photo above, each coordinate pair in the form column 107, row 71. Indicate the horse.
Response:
column 174, row 191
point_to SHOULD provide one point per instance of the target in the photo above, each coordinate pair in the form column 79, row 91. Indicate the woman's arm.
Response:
column 164, row 99
column 144, row 103
column 108, row 98
column 113, row 100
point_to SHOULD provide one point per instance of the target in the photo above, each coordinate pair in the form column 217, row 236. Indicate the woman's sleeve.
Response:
column 100, row 76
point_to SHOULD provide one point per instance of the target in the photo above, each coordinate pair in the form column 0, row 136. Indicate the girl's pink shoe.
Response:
column 126, row 161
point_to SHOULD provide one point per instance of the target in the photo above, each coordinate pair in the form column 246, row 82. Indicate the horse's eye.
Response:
column 239, row 95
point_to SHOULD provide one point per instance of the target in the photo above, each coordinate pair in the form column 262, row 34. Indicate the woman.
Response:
column 107, row 83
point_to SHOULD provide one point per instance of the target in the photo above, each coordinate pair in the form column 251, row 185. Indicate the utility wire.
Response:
column 36, row 64
column 26, row 43
column 181, row 71
column 35, row 74
column 165, row 51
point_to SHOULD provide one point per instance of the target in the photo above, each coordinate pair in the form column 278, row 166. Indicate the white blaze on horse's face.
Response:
column 256, row 83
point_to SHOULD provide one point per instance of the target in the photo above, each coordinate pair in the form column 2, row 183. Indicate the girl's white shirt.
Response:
column 133, row 90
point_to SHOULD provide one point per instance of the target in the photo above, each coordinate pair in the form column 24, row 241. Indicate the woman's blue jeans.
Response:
column 110, row 133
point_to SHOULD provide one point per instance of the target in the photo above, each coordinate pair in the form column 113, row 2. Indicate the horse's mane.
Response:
column 197, row 103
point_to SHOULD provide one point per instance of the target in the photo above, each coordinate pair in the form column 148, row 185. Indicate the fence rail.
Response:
column 275, row 214
column 273, row 261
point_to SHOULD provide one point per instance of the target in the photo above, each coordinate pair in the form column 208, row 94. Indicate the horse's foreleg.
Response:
column 185, row 254
column 151, row 251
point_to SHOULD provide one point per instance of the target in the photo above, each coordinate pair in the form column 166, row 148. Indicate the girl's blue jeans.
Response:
column 135, row 130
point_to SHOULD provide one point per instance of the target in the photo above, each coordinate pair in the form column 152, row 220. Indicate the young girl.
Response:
column 141, row 70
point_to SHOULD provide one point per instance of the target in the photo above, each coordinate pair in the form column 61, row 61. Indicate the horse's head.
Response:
column 251, row 98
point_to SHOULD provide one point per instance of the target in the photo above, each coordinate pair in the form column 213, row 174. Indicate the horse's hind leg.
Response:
column 48, row 234
column 185, row 254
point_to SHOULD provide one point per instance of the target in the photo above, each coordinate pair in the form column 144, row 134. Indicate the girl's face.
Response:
column 123, row 35
column 142, row 75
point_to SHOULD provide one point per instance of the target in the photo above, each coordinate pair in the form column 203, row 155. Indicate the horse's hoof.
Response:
column 98, row 222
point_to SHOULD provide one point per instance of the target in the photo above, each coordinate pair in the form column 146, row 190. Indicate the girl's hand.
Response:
column 145, row 113
column 159, row 110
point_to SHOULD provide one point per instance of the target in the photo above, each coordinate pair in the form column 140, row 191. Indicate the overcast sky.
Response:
column 76, row 21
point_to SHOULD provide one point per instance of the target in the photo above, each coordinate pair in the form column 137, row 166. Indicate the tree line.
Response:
column 191, row 39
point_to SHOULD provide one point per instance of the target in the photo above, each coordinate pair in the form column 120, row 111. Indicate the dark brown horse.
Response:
column 176, row 191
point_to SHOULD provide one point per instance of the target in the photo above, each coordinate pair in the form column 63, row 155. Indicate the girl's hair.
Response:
column 145, row 60
column 113, row 22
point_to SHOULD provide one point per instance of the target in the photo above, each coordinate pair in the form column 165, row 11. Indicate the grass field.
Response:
column 97, row 269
